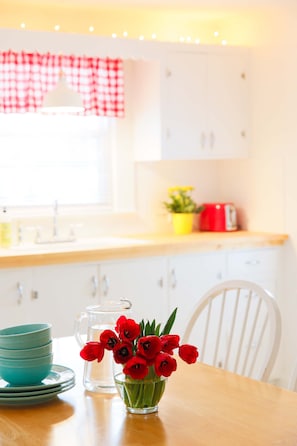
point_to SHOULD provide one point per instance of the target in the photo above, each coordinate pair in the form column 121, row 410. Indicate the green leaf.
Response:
column 157, row 331
column 169, row 323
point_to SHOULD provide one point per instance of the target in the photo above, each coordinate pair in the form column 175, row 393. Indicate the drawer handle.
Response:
column 20, row 293
column 252, row 262
column 95, row 286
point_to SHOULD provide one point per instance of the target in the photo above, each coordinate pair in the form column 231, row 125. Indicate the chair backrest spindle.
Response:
column 242, row 328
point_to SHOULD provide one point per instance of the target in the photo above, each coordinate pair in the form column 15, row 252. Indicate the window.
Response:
column 63, row 157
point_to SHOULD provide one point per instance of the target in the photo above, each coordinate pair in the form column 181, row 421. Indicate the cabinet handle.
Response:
column 167, row 133
column 105, row 285
column 160, row 282
column 168, row 72
column 34, row 295
column 252, row 262
column 20, row 289
column 211, row 140
column 95, row 286
column 173, row 280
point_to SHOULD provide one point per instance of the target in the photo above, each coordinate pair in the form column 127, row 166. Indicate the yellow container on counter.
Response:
column 5, row 229
column 182, row 223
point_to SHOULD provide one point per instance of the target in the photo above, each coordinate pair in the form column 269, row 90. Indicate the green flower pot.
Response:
column 141, row 396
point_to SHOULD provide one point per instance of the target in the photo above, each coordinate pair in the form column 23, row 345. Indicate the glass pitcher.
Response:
column 98, row 376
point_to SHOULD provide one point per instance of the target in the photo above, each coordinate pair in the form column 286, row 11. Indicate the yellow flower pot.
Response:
column 182, row 223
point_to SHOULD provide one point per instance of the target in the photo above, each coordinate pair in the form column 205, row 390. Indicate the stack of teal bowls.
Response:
column 25, row 353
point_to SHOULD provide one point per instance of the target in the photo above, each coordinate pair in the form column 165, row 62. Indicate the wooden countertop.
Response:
column 121, row 247
column 201, row 406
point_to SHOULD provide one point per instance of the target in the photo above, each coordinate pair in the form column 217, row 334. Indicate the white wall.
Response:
column 265, row 186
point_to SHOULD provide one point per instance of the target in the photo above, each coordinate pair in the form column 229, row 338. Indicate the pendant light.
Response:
column 62, row 99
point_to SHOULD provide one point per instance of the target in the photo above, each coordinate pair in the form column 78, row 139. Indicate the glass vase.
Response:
column 141, row 396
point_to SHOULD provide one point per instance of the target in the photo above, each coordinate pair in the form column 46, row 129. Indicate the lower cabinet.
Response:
column 142, row 281
column 154, row 285
column 60, row 293
column 15, row 287
column 54, row 294
column 262, row 266
column 189, row 277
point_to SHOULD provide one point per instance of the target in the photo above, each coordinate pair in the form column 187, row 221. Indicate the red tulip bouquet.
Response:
column 146, row 353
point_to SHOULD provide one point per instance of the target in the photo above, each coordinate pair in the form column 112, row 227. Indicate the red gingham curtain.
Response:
column 25, row 78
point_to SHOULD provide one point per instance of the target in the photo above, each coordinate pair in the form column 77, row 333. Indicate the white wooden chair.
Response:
column 293, row 379
column 236, row 325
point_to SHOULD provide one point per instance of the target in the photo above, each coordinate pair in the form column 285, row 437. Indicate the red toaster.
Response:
column 220, row 217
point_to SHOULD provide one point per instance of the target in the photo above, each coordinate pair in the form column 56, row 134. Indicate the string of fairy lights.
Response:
column 153, row 36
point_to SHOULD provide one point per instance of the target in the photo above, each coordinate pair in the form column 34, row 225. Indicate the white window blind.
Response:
column 63, row 157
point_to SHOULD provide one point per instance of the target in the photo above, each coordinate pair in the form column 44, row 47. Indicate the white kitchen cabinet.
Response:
column 154, row 285
column 262, row 266
column 14, row 296
column 142, row 281
column 193, row 105
column 60, row 292
column 189, row 277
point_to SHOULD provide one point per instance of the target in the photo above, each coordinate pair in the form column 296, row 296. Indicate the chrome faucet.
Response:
column 55, row 219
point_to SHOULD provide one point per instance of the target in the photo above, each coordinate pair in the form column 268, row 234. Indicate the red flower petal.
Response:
column 188, row 353
column 136, row 367
column 128, row 329
column 122, row 352
column 169, row 342
column 149, row 346
column 92, row 351
column 109, row 339
column 165, row 364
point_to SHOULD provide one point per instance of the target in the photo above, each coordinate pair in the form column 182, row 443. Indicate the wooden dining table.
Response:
column 202, row 405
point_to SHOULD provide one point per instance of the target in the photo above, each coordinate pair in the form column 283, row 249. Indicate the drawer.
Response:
column 250, row 262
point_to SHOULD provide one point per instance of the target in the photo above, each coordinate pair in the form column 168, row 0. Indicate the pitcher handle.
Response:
column 77, row 328
column 129, row 303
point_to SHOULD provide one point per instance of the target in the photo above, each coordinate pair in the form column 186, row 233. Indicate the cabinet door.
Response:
column 261, row 266
column 183, row 105
column 60, row 292
column 190, row 276
column 142, row 281
column 14, row 296
column 227, row 105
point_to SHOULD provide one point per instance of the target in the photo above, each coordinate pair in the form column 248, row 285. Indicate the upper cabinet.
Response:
column 192, row 105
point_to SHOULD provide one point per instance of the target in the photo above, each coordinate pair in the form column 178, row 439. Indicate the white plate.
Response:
column 57, row 376
column 34, row 399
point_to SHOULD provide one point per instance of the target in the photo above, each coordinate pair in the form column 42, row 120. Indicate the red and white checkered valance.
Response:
column 25, row 78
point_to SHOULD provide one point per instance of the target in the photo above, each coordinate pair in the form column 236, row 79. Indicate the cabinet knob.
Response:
column 34, row 295
column 168, row 72
column 105, row 285
column 242, row 134
column 20, row 293
column 173, row 280
column 95, row 286
column 243, row 76
column 161, row 282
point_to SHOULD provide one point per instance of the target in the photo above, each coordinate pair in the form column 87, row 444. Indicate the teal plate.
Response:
column 34, row 399
column 57, row 376
column 37, row 392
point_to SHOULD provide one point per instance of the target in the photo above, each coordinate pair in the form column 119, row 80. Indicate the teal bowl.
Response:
column 25, row 372
column 26, row 353
column 25, row 336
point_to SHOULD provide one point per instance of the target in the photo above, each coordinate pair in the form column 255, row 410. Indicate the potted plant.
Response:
column 182, row 207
